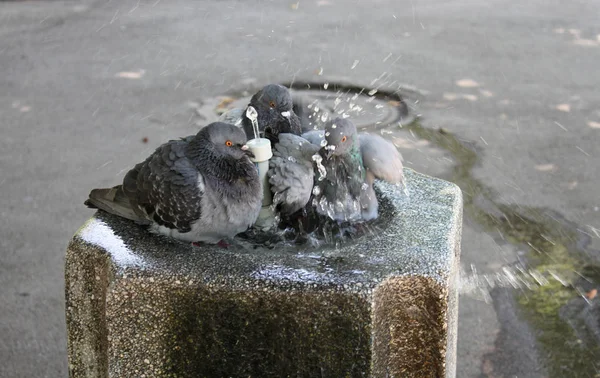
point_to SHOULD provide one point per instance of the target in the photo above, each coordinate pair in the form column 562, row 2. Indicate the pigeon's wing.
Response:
column 233, row 116
column 381, row 158
column 316, row 137
column 291, row 172
column 114, row 201
column 167, row 188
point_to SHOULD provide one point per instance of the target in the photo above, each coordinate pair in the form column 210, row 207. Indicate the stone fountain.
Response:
column 383, row 304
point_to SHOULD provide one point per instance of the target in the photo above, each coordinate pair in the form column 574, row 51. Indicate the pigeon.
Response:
column 273, row 103
column 203, row 188
column 336, row 167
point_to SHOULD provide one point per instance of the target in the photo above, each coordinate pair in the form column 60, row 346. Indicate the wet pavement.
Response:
column 513, row 88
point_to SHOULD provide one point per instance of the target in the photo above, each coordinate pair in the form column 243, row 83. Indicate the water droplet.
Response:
column 324, row 117
column 372, row 92
column 292, row 159
column 334, row 126
column 316, row 191
column 325, row 86
column 354, row 64
column 323, row 143
column 319, row 161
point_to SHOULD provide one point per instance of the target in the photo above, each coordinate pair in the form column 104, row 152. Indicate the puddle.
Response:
column 555, row 250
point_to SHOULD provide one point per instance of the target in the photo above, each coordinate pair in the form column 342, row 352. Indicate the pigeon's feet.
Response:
column 223, row 244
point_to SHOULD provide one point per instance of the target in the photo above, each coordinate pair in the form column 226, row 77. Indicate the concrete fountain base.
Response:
column 385, row 305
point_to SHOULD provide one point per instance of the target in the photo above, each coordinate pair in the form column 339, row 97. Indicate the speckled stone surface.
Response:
column 383, row 305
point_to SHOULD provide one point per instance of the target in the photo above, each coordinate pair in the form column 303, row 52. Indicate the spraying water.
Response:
column 252, row 115
column 322, row 171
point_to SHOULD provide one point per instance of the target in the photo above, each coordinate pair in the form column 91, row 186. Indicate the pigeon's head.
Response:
column 340, row 135
column 274, row 106
column 226, row 139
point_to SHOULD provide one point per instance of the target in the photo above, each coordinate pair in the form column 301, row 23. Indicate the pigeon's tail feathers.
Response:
column 114, row 201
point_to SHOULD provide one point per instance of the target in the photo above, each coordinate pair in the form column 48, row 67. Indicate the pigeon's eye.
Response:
column 272, row 104
column 344, row 139
column 229, row 143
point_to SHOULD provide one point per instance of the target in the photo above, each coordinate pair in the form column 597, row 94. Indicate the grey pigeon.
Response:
column 202, row 188
column 273, row 103
column 337, row 167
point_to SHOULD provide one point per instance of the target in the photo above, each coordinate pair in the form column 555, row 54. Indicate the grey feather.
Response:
column 198, row 188
column 316, row 137
column 381, row 158
column 291, row 172
column 351, row 162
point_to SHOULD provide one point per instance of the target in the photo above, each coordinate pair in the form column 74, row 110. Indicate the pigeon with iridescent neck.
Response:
column 333, row 171
column 202, row 188
column 275, row 114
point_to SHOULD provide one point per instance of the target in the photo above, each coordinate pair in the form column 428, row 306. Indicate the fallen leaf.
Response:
column 545, row 167
column 450, row 96
column 467, row 83
column 145, row 140
column 585, row 42
column 486, row 93
column 225, row 101
column 594, row 124
column 592, row 294
column 394, row 103
column 563, row 107
column 131, row 74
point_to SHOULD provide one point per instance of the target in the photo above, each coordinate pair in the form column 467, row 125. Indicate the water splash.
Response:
column 518, row 277
column 319, row 161
column 252, row 115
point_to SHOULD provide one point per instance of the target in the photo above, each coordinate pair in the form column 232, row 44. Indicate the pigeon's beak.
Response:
column 247, row 151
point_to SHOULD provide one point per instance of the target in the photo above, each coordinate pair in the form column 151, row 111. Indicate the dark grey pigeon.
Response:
column 202, row 188
column 344, row 166
column 273, row 103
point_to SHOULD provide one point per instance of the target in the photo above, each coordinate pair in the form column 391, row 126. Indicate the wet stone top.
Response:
column 415, row 235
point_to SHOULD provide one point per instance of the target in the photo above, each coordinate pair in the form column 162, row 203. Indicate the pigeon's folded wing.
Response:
column 381, row 158
column 291, row 172
column 316, row 137
column 166, row 187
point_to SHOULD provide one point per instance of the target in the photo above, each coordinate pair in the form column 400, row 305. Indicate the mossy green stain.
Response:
column 552, row 247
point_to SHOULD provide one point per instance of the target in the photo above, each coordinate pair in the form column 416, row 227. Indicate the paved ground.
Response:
column 83, row 82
